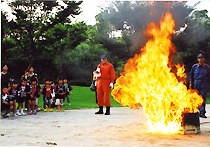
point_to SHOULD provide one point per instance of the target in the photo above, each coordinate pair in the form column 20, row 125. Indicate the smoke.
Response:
column 132, row 18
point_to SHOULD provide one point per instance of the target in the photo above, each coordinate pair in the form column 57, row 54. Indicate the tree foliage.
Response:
column 132, row 19
column 56, row 47
column 195, row 38
column 33, row 19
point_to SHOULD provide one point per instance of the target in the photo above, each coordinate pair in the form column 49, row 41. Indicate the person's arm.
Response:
column 209, row 75
column 70, row 89
column 112, row 73
column 64, row 90
column 56, row 90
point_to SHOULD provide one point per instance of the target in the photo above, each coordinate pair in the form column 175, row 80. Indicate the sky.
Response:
column 90, row 8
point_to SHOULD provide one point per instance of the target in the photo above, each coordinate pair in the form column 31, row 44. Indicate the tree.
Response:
column 82, row 61
column 117, row 47
column 194, row 39
column 29, row 27
column 61, row 39
column 132, row 19
column 4, row 26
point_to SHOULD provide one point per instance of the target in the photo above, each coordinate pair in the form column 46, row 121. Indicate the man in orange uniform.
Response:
column 105, row 81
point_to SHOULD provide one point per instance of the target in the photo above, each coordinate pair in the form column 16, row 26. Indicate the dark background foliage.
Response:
column 56, row 47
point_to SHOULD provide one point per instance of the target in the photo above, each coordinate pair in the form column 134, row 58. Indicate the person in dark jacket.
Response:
column 200, row 77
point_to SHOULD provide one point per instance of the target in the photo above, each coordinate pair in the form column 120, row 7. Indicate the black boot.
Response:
column 203, row 115
column 107, row 111
column 100, row 110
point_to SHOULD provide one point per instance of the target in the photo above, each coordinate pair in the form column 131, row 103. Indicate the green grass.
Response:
column 82, row 97
column 208, row 98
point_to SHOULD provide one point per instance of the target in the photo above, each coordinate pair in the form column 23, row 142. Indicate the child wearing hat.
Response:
column 46, row 91
column 21, row 96
column 5, row 101
column 12, row 90
column 32, row 93
column 68, row 89
column 60, row 94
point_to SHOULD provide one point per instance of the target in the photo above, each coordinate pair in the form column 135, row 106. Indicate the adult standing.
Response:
column 5, row 77
column 105, row 78
column 31, row 73
column 28, row 75
column 200, row 76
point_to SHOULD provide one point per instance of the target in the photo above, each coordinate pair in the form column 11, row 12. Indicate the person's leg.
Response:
column 45, row 103
column 26, row 103
column 36, row 105
column 10, row 106
column 61, row 102
column 68, row 99
column 3, row 106
column 18, row 108
column 21, row 105
column 107, row 91
column 100, row 96
column 50, row 107
column 44, row 100
column 14, row 107
column 57, row 103
column 63, row 99
column 49, row 104
column 29, row 107
column 203, row 93
column 7, row 110
column 32, row 106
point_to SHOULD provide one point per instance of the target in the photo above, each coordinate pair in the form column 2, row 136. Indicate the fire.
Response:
column 148, row 81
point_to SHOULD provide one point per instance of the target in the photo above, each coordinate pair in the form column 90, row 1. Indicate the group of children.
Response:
column 29, row 91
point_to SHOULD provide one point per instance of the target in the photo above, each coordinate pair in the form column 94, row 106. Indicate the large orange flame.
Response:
column 147, row 80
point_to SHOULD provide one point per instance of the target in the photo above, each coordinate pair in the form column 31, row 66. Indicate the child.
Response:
column 60, row 92
column 68, row 89
column 46, row 91
column 12, row 94
column 52, row 94
column 32, row 92
column 21, row 96
column 5, row 100
column 37, row 96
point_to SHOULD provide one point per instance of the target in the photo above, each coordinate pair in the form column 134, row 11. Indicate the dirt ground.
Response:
column 124, row 127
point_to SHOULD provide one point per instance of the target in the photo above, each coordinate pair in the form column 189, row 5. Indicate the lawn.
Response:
column 208, row 98
column 82, row 97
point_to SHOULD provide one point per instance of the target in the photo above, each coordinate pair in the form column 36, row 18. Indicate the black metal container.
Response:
column 191, row 123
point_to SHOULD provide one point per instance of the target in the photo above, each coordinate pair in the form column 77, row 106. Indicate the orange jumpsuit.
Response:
column 107, row 76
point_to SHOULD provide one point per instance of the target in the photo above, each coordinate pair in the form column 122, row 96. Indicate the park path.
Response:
column 124, row 127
